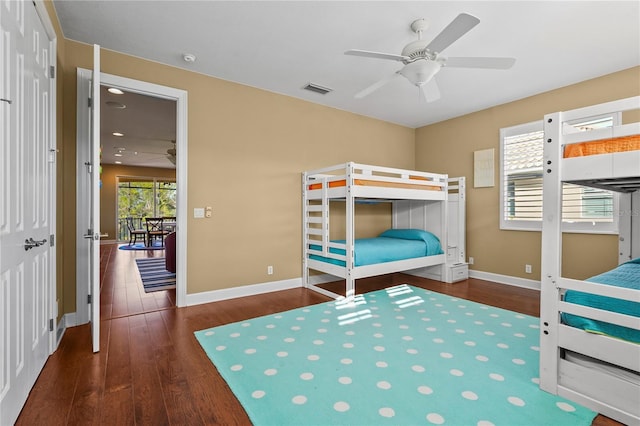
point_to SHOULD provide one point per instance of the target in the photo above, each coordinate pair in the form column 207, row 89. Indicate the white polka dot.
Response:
column 516, row 401
column 407, row 338
column 313, row 357
column 412, row 351
column 497, row 377
column 534, row 326
column 438, row 340
column 278, row 316
column 378, row 335
column 246, row 324
column 270, row 326
column 250, row 351
column 270, row 372
column 382, row 364
column 341, row 406
column 536, row 380
column 306, row 310
column 258, row 394
column 456, row 372
column 518, row 361
column 262, row 337
column 471, row 396
column 236, row 367
column 484, row 423
column 386, row 412
column 377, row 324
column 489, row 333
column 446, row 355
column 234, row 335
column 300, row 319
column 289, row 340
column 299, row 399
column 535, row 348
column 322, row 330
column 404, row 327
column 425, row 319
column 345, row 380
column 325, row 320
column 383, row 385
column 379, row 348
column 470, row 343
column 306, row 376
column 460, row 331
column 295, row 328
column 425, row 390
column 431, row 329
column 519, row 335
column 502, row 346
column 318, row 342
column 435, row 418
column 452, row 321
column 399, row 317
column 494, row 315
column 209, row 333
column 221, row 348
column 348, row 345
column 566, row 407
column 346, row 361
column 505, row 324
column 282, row 354
column 418, row 368
column 482, row 358
column 350, row 333
column 478, row 322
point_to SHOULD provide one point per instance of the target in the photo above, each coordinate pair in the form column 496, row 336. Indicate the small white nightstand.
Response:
column 457, row 272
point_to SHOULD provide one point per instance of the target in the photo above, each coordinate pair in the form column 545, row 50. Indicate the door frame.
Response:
column 82, row 128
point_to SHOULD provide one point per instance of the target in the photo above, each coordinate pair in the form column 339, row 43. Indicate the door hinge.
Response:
column 52, row 71
column 89, row 103
column 52, row 240
column 89, row 298
column 51, row 324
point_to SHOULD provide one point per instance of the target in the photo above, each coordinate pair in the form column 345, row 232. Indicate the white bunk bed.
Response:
column 597, row 370
column 413, row 195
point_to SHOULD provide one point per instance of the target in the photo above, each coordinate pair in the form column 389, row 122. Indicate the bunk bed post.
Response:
column 350, row 233
column 305, row 242
column 551, row 259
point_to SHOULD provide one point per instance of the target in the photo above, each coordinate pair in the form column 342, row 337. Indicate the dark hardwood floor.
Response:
column 150, row 369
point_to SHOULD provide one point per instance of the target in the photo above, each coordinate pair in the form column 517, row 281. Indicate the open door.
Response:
column 93, row 234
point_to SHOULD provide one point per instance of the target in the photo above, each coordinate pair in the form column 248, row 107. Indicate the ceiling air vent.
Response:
column 316, row 88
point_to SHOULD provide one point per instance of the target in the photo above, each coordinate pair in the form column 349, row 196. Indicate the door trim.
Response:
column 158, row 91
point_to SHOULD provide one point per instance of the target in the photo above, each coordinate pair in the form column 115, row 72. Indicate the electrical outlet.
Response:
column 527, row 269
column 470, row 260
column 269, row 270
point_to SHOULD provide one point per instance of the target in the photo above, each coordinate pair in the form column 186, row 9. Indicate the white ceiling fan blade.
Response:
column 490, row 63
column 461, row 25
column 375, row 86
column 430, row 91
column 377, row 55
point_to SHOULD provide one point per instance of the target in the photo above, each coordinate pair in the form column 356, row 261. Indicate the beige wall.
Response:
column 108, row 192
column 448, row 147
column 247, row 148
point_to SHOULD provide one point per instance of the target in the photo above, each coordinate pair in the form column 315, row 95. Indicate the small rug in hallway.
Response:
column 155, row 276
column 140, row 246
column 399, row 356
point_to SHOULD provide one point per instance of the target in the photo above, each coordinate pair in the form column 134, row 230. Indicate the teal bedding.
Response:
column 625, row 275
column 391, row 245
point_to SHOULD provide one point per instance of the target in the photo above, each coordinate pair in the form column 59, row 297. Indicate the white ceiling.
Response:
column 280, row 46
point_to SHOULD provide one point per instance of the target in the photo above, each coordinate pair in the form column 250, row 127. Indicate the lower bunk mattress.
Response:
column 389, row 246
column 625, row 275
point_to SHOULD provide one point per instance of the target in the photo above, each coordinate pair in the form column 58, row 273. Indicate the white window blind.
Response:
column 584, row 209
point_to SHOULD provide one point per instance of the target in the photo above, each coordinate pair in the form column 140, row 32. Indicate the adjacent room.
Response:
column 309, row 212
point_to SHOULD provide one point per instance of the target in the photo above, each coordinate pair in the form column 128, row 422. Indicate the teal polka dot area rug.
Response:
column 400, row 356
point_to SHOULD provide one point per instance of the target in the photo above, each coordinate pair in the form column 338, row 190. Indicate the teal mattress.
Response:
column 625, row 275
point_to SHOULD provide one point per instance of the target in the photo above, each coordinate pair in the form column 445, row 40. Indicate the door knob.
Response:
column 31, row 243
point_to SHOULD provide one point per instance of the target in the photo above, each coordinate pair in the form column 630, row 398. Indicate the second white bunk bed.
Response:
column 597, row 363
column 412, row 194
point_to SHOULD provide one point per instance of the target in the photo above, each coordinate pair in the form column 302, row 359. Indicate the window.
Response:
column 584, row 209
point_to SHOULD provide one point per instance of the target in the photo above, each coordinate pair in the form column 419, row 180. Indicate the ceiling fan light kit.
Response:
column 422, row 60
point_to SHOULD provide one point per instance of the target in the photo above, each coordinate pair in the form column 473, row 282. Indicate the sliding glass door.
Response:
column 144, row 197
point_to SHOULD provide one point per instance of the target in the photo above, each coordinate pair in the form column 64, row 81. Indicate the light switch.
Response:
column 198, row 212
column 207, row 211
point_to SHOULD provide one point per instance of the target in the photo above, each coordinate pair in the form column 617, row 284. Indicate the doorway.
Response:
column 178, row 145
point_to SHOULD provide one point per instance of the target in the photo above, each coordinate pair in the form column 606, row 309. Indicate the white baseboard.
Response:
column 505, row 279
column 247, row 290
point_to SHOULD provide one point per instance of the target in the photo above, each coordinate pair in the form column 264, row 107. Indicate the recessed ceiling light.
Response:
column 115, row 91
column 117, row 134
column 117, row 154
column 189, row 57
column 116, row 105
column 118, row 162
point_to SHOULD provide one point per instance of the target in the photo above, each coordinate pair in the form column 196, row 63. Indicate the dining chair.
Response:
column 135, row 233
column 155, row 230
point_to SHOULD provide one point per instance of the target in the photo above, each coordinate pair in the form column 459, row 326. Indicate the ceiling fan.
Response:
column 422, row 60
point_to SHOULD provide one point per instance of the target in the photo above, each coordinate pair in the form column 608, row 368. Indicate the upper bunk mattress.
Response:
column 391, row 245
column 386, row 184
column 605, row 146
column 625, row 275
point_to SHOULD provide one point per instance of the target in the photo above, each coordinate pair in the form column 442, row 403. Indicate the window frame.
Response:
column 536, row 225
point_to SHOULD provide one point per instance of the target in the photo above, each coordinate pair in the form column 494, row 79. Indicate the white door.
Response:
column 95, row 201
column 26, row 201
